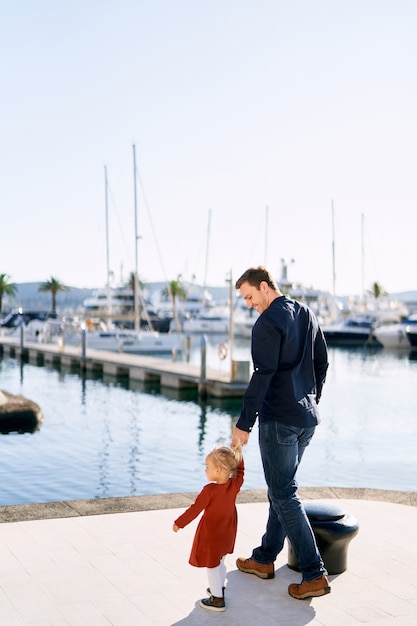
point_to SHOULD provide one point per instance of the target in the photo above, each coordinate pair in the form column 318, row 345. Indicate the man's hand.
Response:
column 239, row 438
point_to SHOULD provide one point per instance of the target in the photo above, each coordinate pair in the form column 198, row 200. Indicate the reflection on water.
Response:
column 104, row 437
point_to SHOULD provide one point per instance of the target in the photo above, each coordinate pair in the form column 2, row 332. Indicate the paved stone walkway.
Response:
column 117, row 562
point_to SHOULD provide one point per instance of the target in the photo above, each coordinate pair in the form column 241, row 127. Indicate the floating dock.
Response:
column 214, row 382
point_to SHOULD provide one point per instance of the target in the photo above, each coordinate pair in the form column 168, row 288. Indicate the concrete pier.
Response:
column 171, row 374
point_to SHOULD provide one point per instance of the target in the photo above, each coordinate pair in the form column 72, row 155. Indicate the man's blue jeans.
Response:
column 282, row 448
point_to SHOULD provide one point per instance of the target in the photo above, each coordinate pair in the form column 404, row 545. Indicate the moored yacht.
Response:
column 411, row 332
column 132, row 342
column 354, row 330
column 117, row 300
column 117, row 304
column 215, row 320
column 196, row 300
column 395, row 335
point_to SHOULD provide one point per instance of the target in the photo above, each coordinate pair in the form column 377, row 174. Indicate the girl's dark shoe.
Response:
column 209, row 592
column 213, row 604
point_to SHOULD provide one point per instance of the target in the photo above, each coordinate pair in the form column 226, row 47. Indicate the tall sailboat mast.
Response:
column 207, row 256
column 106, row 192
column 333, row 266
column 362, row 255
column 136, row 277
column 266, row 236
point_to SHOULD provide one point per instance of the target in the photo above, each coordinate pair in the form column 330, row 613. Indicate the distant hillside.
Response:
column 29, row 298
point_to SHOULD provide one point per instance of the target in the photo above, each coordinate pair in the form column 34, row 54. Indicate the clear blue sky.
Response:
column 234, row 106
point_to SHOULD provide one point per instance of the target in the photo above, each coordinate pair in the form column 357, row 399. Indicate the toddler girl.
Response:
column 216, row 531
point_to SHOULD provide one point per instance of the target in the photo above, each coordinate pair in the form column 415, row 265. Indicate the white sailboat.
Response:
column 137, row 341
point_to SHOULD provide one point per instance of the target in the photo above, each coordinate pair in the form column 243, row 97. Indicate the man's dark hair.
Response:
column 255, row 276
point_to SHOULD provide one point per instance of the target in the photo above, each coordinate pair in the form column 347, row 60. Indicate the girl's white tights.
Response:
column 217, row 579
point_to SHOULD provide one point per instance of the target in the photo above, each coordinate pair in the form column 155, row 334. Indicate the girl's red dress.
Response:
column 216, row 531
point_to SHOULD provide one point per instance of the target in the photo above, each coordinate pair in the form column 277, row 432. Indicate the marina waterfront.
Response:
column 106, row 437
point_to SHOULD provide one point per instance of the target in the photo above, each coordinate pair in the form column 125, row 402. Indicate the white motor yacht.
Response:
column 354, row 330
column 132, row 342
column 395, row 335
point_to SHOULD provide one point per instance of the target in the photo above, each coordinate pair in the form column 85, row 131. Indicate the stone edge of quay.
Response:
column 129, row 504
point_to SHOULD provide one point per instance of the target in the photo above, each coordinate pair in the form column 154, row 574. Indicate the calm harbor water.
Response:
column 106, row 437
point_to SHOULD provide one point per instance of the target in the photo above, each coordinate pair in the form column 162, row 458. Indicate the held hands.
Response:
column 239, row 438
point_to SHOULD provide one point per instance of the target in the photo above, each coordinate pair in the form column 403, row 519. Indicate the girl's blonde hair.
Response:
column 227, row 458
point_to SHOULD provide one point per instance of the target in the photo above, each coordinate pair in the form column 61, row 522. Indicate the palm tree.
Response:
column 174, row 290
column 131, row 281
column 136, row 285
column 377, row 290
column 54, row 286
column 6, row 288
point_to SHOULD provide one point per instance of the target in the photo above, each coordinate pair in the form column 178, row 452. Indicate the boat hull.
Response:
column 134, row 343
column 351, row 332
column 209, row 326
column 392, row 336
column 349, row 339
column 412, row 336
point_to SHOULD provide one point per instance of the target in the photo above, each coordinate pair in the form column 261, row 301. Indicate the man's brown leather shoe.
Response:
column 249, row 566
column 310, row 588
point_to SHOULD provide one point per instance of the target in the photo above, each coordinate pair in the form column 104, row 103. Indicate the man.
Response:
column 289, row 356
